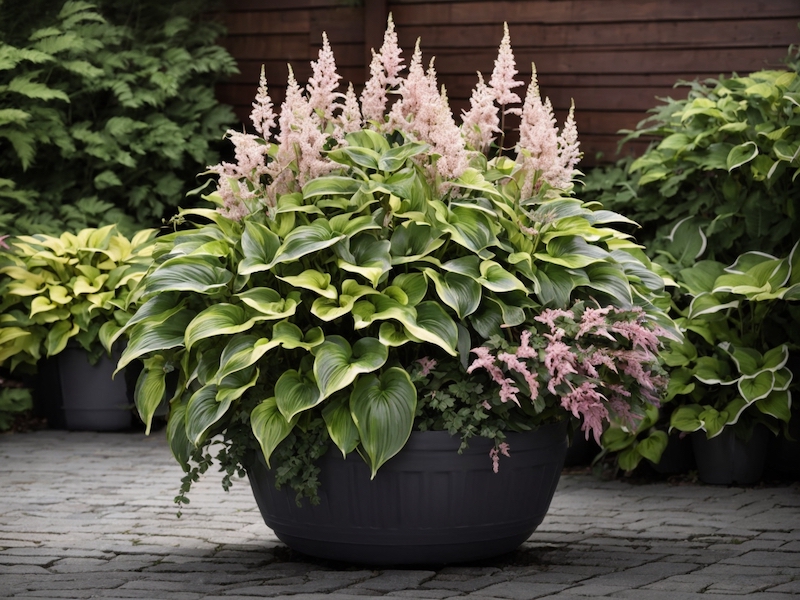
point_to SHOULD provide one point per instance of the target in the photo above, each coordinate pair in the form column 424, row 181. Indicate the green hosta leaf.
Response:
column 629, row 458
column 436, row 326
column 572, row 252
column 412, row 242
column 512, row 312
column 331, row 186
column 269, row 303
column 393, row 335
column 756, row 387
column 713, row 421
column 202, row 412
column 748, row 360
column 328, row 310
column 459, row 292
column 469, row 227
column 680, row 383
column 741, row 154
column 495, row 278
column 776, row 358
column 304, row 240
column 712, row 371
column 368, row 257
column 150, row 389
column 686, row 418
column 296, row 392
column 395, row 158
column 555, row 284
column 290, row 336
column 615, row 439
column 354, row 156
column 218, row 320
column 179, row 444
column 241, row 352
column 341, row 426
column 778, row 404
column 289, row 203
column 707, row 304
column 259, row 246
column 313, row 280
column 233, row 386
column 269, row 426
column 414, row 285
column 383, row 409
column 144, row 338
column 337, row 364
column 652, row 447
column 198, row 274
column 610, row 279
column 58, row 336
column 687, row 241
column 701, row 276
column 783, row 379
column 155, row 311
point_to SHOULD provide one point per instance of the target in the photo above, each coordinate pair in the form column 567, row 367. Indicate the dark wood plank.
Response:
column 260, row 22
column 569, row 12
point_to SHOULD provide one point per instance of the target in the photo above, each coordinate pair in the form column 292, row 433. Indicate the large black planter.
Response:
column 726, row 459
column 427, row 505
column 73, row 394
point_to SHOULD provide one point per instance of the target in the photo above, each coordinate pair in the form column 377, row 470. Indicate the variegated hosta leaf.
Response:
column 756, row 387
column 305, row 240
column 414, row 285
column 198, row 274
column 337, row 364
column 340, row 424
column 393, row 334
column 413, row 242
column 572, row 252
column 471, row 228
column 233, row 386
column 179, row 444
column 59, row 335
column 707, row 303
column 202, row 412
column 144, row 338
column 242, row 351
column 220, row 319
column 150, row 389
column 383, row 409
column 778, row 404
column 269, row 303
column 269, row 426
column 459, row 292
column 330, row 309
column 290, row 336
column 495, row 278
column 313, row 280
column 259, row 245
column 331, row 185
column 296, row 392
column 368, row 257
column 393, row 159
column 155, row 311
column 610, row 279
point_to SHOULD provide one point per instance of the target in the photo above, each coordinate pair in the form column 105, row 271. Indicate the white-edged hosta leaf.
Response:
column 383, row 408
column 756, row 387
column 707, row 303
column 741, row 154
column 778, row 404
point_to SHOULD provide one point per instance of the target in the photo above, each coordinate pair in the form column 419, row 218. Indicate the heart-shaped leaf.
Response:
column 341, row 426
column 337, row 365
column 269, row 426
column 296, row 392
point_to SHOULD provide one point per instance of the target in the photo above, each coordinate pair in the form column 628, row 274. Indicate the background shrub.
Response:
column 107, row 110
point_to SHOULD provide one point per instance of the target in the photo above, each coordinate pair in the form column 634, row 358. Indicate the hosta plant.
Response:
column 71, row 287
column 375, row 268
column 731, row 369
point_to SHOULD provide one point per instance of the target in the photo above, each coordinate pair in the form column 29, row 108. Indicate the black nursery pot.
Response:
column 725, row 459
column 73, row 394
column 428, row 505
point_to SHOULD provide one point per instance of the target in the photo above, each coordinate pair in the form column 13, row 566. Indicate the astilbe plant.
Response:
column 362, row 248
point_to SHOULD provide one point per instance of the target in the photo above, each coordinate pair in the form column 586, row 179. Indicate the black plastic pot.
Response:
column 726, row 459
column 73, row 394
column 678, row 456
column 427, row 505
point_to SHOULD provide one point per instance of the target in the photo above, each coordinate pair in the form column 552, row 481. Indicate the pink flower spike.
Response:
column 323, row 82
column 262, row 115
column 427, row 364
column 390, row 54
column 480, row 122
column 502, row 80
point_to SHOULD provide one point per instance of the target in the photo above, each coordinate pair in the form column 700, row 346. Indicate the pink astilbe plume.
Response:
column 538, row 137
column 494, row 454
column 350, row 117
column 560, row 362
column 263, row 116
column 514, row 363
column 587, row 403
column 569, row 153
column 323, row 83
column 486, row 361
column 502, row 81
column 384, row 70
column 239, row 181
column 480, row 123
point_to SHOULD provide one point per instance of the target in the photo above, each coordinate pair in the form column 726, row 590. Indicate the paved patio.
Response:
column 86, row 515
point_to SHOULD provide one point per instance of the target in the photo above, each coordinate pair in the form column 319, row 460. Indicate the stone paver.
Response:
column 87, row 515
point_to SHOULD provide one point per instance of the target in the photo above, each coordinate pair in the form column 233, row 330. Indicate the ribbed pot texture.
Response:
column 428, row 505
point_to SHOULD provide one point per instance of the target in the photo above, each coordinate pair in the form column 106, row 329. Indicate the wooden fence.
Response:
column 613, row 57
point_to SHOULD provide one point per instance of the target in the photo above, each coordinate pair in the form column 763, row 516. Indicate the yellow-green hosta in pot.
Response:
column 375, row 269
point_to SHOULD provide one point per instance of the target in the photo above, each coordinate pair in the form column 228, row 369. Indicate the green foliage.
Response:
column 72, row 287
column 727, row 156
column 13, row 401
column 107, row 111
